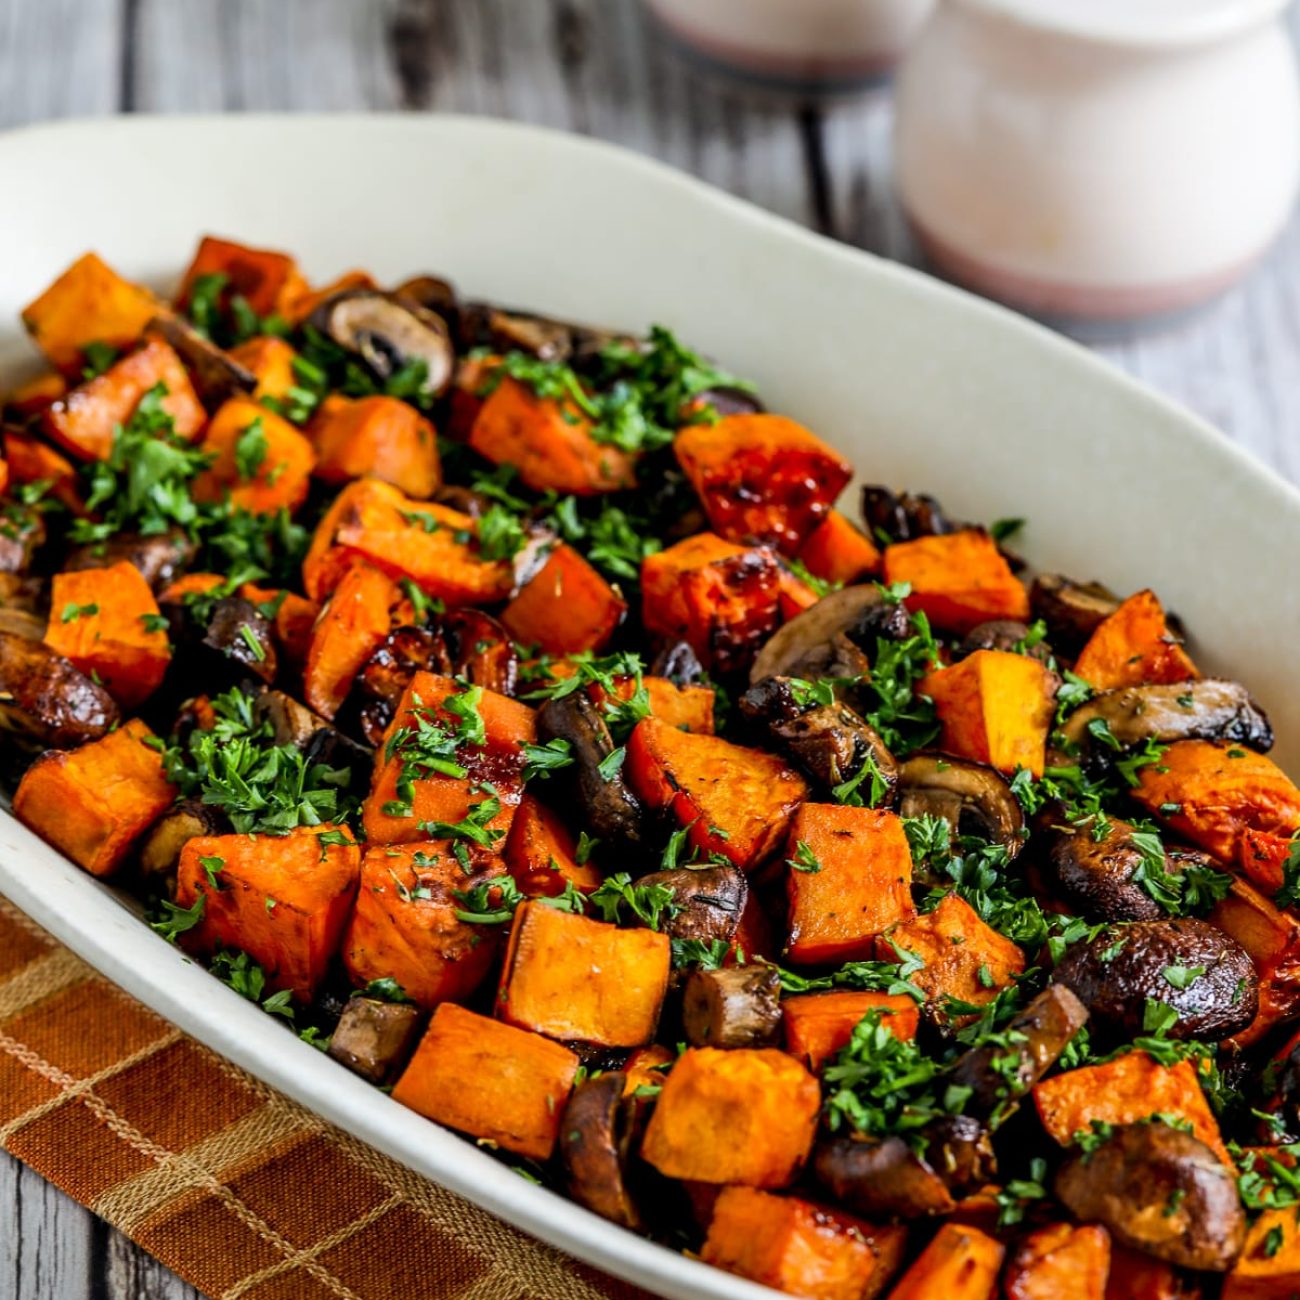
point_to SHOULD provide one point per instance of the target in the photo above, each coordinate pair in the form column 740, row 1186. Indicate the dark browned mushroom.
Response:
column 1003, row 634
column 22, row 534
column 902, row 516
column 1160, row 1190
column 239, row 633
column 45, row 701
column 160, row 557
column 1071, row 610
column 295, row 724
column 160, row 851
column 678, row 663
column 709, row 901
column 798, row 646
column 880, row 1176
column 374, row 1038
column 958, row 1148
column 216, row 374
column 971, row 798
column 739, row 1006
column 597, row 1133
column 433, row 293
column 512, row 329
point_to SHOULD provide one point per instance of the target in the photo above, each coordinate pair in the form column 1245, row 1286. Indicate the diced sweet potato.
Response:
column 271, row 362
column 282, row 899
column 795, row 595
column 800, row 1248
column 1272, row 939
column 95, row 802
column 539, row 853
column 838, row 551
column 107, row 622
column 960, row 1263
column 269, row 282
column 260, row 459
column 965, row 959
column 995, row 708
column 292, row 615
column 490, row 1080
column 688, row 708
column 580, row 980
column 745, row 1116
column 958, row 580
column 720, row 598
column 88, row 303
column 761, row 477
column 32, row 397
column 1262, row 855
column 736, row 801
column 565, row 608
column 549, row 442
column 382, row 437
column 404, row 926
column 645, row 1068
column 1135, row 1276
column 1126, row 1090
column 1133, row 646
column 1060, row 1260
column 351, row 627
column 430, row 544
column 32, row 461
column 84, row 422
column 1211, row 793
column 849, row 879
column 1269, row 1266
column 817, row 1025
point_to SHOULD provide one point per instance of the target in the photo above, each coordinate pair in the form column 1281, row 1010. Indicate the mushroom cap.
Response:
column 388, row 331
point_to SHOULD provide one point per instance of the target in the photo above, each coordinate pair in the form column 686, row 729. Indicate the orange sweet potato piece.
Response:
column 549, row 442
column 383, row 437
column 36, row 394
column 539, row 853
column 32, row 461
column 960, row 1263
column 849, row 880
column 688, row 708
column 93, row 803
column 1124, row 1091
column 722, row 599
column 260, row 459
column 490, row 1080
column 84, row 422
column 817, row 1025
column 800, row 1248
column 293, row 617
column 761, row 477
column 1219, row 791
column 565, row 608
column 351, row 627
column 572, row 978
column 1134, row 645
column 308, row 300
column 404, row 926
column 88, row 303
column 1262, row 856
column 964, row 958
column 106, row 622
column 645, row 1067
column 838, row 551
column 1272, row 939
column 736, row 801
column 282, row 899
column 795, row 595
column 271, row 361
column 958, row 580
column 742, row 1116
column 995, row 708
column 1135, row 1276
column 1269, row 1265
column 269, row 282
column 1060, row 1260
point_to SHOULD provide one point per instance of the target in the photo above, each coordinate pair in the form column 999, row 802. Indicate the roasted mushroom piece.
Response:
column 388, row 333
column 678, row 663
column 1203, row 974
column 217, row 376
column 902, row 516
column 597, row 1134
column 798, row 647
column 295, row 724
column 708, row 901
column 374, row 1038
column 971, row 798
column 239, row 633
column 434, row 294
column 959, row 1150
column 1004, row 634
column 511, row 329
column 160, row 851
column 739, row 1006
column 22, row 534
column 160, row 557
column 1160, row 1190
column 1071, row 610
column 46, row 701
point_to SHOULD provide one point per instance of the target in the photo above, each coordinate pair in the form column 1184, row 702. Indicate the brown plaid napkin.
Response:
column 236, row 1188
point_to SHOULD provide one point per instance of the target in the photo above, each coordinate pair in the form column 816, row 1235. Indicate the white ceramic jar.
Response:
column 799, row 44
column 1099, row 161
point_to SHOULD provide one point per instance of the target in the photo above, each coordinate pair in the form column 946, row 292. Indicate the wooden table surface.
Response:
column 592, row 66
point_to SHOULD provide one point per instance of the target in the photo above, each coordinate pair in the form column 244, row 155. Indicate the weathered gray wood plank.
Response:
column 49, row 1246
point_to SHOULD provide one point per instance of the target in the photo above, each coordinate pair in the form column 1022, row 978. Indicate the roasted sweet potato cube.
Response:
column 540, row 853
column 1136, row 1276
column 1269, row 1266
column 795, row 595
column 965, row 959
column 800, row 1248
column 646, row 1068
column 723, row 600
column 107, row 622
column 88, row 303
column 995, row 707
column 839, row 551
column 269, row 282
column 405, row 925
column 565, row 608
column 351, row 627
column 761, row 477
column 735, row 801
column 1261, row 856
column 818, row 1025
column 33, row 461
column 1060, row 1260
column 548, row 441
column 1134, row 645
column 688, row 708
column 960, row 1263
column 746, row 1116
column 259, row 459
column 271, row 362
column 1271, row 937
column 282, row 899
column 849, row 879
column 490, row 1080
column 85, row 421
column 375, row 1039
column 32, row 397
column 572, row 978
column 383, row 437
column 95, row 802
column 958, row 580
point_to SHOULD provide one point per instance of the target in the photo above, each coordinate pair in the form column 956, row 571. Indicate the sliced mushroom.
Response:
column 374, row 1038
column 597, row 1134
column 160, row 557
column 678, row 663
column 1071, row 610
column 511, row 329
column 1208, row 709
column 808, row 634
column 1002, row 634
column 295, row 724
column 388, row 332
column 47, row 702
column 1098, row 878
column 880, row 1176
column 739, row 1006
column 239, row 633
column 160, row 851
column 1160, row 1190
column 971, row 798
column 902, row 516
column 958, row 1148
column 216, row 374
column 22, row 534
column 433, row 293
column 709, row 901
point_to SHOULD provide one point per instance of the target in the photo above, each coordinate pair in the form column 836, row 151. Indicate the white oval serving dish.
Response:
column 921, row 384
